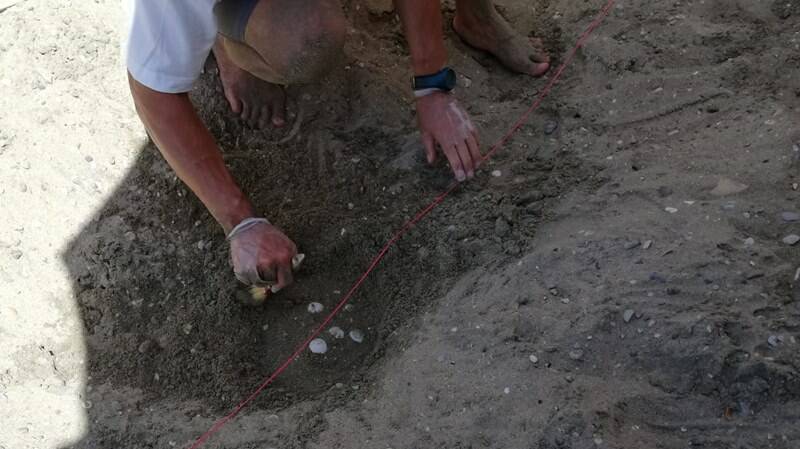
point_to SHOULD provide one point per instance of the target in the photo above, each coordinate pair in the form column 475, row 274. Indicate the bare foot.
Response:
column 257, row 102
column 485, row 29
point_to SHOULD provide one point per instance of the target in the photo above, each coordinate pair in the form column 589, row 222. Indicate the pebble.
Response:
column 627, row 315
column 773, row 340
column 187, row 328
column 533, row 359
column 564, row 300
column 506, row 390
column 16, row 254
column 501, row 227
column 749, row 241
column 145, row 346
column 356, row 335
column 647, row 244
column 315, row 307
column 497, row 173
column 576, row 354
column 550, row 127
column 318, row 346
column 336, row 332
column 727, row 186
column 632, row 245
column 790, row 216
column 671, row 210
column 791, row 239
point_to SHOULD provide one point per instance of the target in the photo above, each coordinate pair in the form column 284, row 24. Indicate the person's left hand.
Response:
column 443, row 122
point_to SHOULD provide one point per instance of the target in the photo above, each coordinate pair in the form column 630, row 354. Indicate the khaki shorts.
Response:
column 232, row 17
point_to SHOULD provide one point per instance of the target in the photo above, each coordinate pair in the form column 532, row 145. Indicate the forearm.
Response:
column 190, row 150
column 422, row 23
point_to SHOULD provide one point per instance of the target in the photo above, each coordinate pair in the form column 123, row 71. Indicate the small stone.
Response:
column 671, row 210
column 501, row 227
column 564, row 300
column 466, row 81
column 773, row 340
column 497, row 173
column 533, row 359
column 632, row 245
column 569, row 378
column 627, row 315
column 145, row 346
column 550, row 127
column 576, row 354
column 187, row 328
column 506, row 390
column 356, row 335
column 727, row 186
column 16, row 254
column 647, row 244
column 336, row 332
column 315, row 307
column 318, row 346
column 89, row 158
column 790, row 216
column 791, row 239
column 749, row 241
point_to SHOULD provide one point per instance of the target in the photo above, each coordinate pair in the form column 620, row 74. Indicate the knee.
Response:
column 304, row 39
column 320, row 46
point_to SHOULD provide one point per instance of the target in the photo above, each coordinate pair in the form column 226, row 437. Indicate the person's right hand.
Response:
column 442, row 121
column 262, row 256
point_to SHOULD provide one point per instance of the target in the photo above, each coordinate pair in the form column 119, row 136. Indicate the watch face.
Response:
column 450, row 79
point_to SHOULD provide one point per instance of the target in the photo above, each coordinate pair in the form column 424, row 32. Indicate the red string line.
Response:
column 405, row 228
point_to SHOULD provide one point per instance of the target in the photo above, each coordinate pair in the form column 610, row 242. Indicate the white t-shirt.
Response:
column 168, row 42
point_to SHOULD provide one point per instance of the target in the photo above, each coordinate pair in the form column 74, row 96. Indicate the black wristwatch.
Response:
column 444, row 81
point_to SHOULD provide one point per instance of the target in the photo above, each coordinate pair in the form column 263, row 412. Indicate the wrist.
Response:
column 237, row 210
column 443, row 80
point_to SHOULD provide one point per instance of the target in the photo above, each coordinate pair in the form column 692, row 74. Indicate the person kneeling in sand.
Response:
column 261, row 46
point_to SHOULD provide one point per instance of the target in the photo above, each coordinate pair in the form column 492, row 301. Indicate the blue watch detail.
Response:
column 444, row 80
